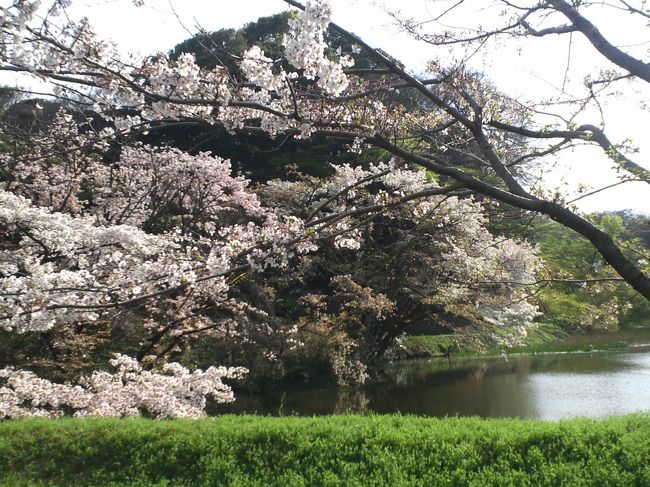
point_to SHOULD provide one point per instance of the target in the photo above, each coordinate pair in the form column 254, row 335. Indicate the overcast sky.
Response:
column 537, row 68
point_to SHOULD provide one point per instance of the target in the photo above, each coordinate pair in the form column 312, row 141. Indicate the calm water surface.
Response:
column 551, row 386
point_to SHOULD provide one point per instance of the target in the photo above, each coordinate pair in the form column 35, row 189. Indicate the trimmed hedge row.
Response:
column 334, row 450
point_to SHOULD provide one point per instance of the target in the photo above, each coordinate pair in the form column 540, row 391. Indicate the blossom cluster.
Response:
column 305, row 48
column 469, row 264
column 61, row 259
column 44, row 42
column 175, row 392
column 147, row 179
column 161, row 231
column 65, row 267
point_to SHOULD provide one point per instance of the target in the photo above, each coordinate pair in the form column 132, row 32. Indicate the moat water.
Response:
column 544, row 386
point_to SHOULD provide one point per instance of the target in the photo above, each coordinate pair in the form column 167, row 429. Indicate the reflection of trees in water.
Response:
column 477, row 369
column 522, row 386
column 409, row 373
column 479, row 372
column 351, row 401
column 580, row 363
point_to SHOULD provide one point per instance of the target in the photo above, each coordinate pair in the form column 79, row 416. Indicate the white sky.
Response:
column 538, row 70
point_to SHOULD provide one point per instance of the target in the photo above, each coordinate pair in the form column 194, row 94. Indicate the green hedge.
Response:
column 335, row 450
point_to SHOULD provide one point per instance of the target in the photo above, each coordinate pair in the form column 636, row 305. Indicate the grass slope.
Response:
column 543, row 338
column 328, row 451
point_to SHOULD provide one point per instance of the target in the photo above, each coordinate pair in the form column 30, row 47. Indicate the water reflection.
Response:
column 477, row 387
column 622, row 387
column 349, row 401
column 541, row 386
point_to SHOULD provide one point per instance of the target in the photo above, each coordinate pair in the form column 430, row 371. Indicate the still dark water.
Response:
column 549, row 386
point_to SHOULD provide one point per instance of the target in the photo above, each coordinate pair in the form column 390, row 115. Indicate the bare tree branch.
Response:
column 635, row 66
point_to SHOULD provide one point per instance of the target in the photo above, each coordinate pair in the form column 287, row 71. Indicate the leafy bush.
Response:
column 339, row 450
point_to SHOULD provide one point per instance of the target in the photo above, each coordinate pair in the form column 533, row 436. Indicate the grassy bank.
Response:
column 545, row 338
column 341, row 450
column 428, row 346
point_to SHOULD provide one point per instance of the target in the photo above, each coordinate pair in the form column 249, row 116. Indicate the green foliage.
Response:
column 544, row 338
column 569, row 307
column 637, row 226
column 544, row 332
column 421, row 346
column 566, row 253
column 339, row 450
column 568, row 256
column 224, row 47
column 638, row 315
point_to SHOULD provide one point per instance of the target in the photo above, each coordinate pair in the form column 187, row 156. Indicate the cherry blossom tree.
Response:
column 399, row 260
column 81, row 275
column 99, row 230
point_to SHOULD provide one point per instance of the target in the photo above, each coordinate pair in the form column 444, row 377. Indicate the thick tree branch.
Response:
column 563, row 29
column 590, row 31
column 600, row 240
